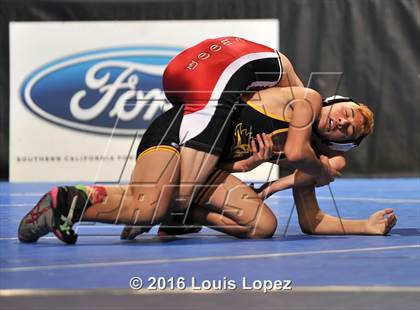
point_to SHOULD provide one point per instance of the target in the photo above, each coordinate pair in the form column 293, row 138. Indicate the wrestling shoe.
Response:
column 55, row 212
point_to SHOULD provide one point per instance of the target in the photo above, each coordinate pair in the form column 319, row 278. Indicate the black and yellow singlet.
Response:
column 251, row 119
column 248, row 120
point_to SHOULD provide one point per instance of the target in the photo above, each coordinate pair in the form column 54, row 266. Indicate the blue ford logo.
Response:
column 106, row 91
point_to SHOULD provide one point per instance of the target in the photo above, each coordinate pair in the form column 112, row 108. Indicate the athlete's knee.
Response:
column 264, row 231
column 265, row 227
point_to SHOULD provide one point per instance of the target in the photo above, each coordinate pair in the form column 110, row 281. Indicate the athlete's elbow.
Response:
column 312, row 229
column 306, row 227
column 306, row 230
column 313, row 225
column 295, row 155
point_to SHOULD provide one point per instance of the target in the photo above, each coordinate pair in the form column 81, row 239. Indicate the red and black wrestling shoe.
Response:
column 55, row 212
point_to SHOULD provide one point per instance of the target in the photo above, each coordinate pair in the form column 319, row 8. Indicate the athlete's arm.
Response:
column 337, row 162
column 297, row 148
column 297, row 179
column 269, row 188
column 313, row 221
column 289, row 76
column 337, row 159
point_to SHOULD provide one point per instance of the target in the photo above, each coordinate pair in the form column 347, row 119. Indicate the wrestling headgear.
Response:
column 341, row 146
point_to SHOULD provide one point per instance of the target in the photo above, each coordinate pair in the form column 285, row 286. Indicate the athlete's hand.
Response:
column 328, row 173
column 264, row 191
column 381, row 222
column 262, row 150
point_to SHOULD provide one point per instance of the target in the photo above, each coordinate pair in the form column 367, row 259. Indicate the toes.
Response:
column 126, row 233
column 130, row 232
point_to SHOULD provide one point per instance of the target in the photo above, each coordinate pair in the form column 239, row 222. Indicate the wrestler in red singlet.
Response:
column 208, row 79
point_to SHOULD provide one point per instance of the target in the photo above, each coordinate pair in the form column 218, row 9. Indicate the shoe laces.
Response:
column 67, row 221
column 36, row 213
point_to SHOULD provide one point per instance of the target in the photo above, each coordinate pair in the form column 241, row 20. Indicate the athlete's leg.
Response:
column 195, row 168
column 145, row 201
column 232, row 207
column 194, row 173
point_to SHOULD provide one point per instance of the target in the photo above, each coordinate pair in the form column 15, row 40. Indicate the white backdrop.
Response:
column 69, row 79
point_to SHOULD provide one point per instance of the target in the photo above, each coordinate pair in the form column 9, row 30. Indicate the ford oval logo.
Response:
column 110, row 91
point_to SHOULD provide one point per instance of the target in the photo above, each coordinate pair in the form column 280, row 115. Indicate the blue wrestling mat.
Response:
column 328, row 264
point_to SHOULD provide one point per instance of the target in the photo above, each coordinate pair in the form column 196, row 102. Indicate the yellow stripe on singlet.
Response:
column 271, row 115
column 279, row 131
column 263, row 111
column 165, row 148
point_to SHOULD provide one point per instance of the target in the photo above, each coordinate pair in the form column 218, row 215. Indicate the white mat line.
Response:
column 361, row 199
column 55, row 238
column 15, row 194
column 189, row 290
column 116, row 236
column 17, row 204
column 201, row 259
